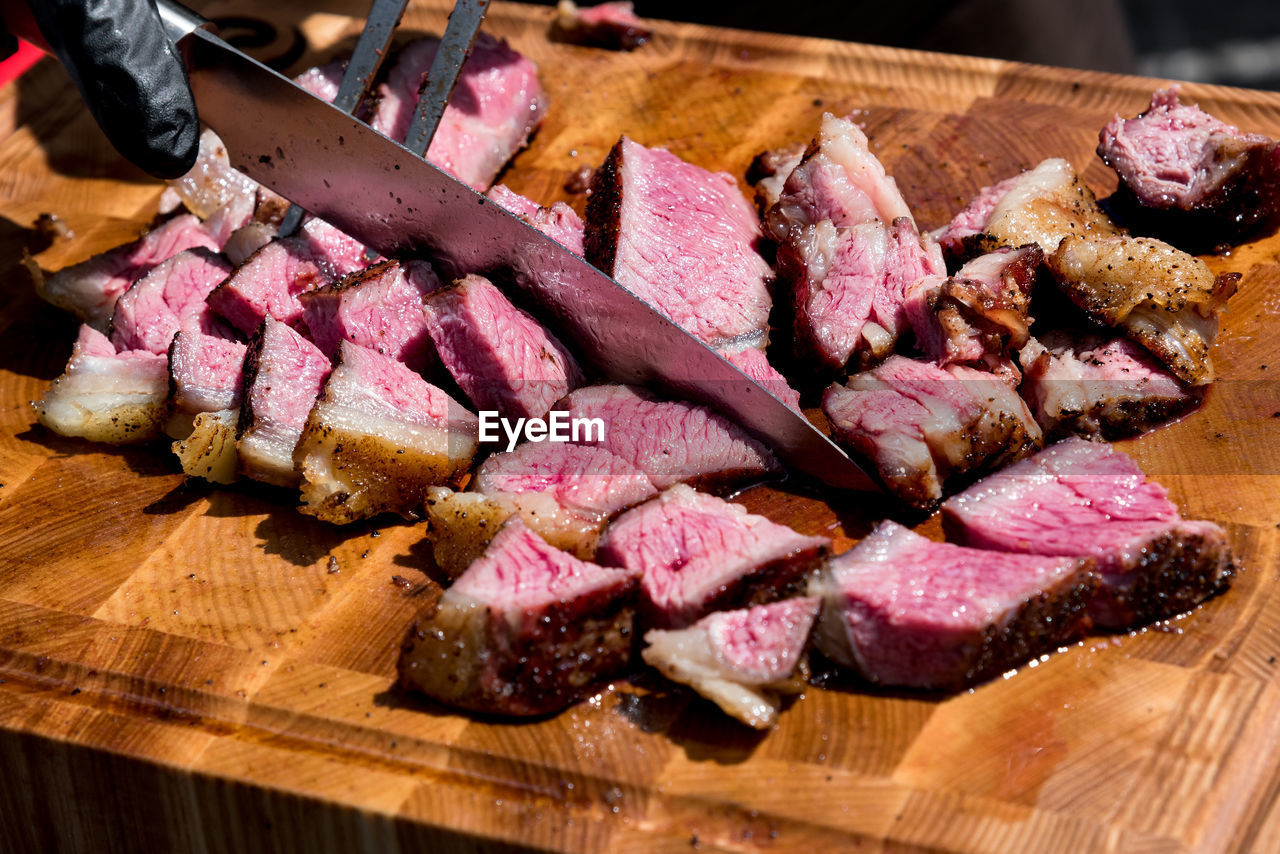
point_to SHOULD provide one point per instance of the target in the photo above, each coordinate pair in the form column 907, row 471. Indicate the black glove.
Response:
column 130, row 75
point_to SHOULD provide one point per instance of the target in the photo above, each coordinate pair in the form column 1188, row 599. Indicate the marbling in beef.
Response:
column 107, row 396
column 1177, row 160
column 981, row 312
column 495, row 107
column 283, row 375
column 698, row 553
column 920, row 425
column 90, row 289
column 670, row 441
column 1086, row 499
column 379, row 307
column 1041, row 206
column 501, row 357
column 377, row 437
column 270, row 282
column 169, row 297
column 559, row 222
column 848, row 250
column 740, row 660
column 526, row 630
column 1091, row 385
column 1163, row 298
column 905, row 611
column 683, row 240
column 612, row 25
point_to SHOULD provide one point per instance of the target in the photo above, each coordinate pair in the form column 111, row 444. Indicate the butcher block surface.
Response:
column 201, row 668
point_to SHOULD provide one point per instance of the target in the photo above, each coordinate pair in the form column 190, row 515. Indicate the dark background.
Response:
column 1236, row 43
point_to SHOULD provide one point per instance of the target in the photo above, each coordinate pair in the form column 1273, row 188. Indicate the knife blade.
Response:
column 401, row 205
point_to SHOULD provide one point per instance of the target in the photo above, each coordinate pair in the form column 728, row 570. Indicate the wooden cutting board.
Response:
column 183, row 666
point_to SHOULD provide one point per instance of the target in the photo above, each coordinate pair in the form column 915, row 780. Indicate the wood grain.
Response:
column 179, row 667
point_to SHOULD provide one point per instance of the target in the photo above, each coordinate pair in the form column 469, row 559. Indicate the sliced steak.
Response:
column 90, row 289
column 740, row 660
column 1090, row 385
column 283, row 375
column 848, row 250
column 206, row 374
column 271, row 281
column 377, row 438
column 559, row 222
column 612, row 25
column 905, row 611
column 670, row 441
column 495, row 107
column 379, row 307
column 700, row 554
column 1178, row 160
column 565, row 493
column 1040, row 206
column 920, row 425
column 169, row 297
column 700, row 268
column 983, row 311
column 501, row 357
column 755, row 364
column 527, row 630
column 1163, row 298
column 105, row 396
column 1087, row 499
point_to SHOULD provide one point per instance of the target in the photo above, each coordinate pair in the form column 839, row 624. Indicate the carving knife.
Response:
column 399, row 204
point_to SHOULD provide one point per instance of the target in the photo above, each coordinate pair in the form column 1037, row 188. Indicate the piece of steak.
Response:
column 206, row 374
column 283, row 375
column 526, row 630
column 700, row 268
column 1040, row 206
column 169, row 297
column 105, row 396
column 1090, row 385
column 612, row 25
column 1163, row 298
column 755, row 364
column 848, row 250
column 983, row 311
column 905, row 611
column 564, row 493
column 379, row 307
column 698, row 554
column 90, row 289
column 559, row 222
column 377, row 437
column 212, row 182
column 920, row 425
column 670, row 441
column 1087, row 499
column 271, row 281
column 1178, row 160
column 740, row 660
column 503, row 359
column 495, row 107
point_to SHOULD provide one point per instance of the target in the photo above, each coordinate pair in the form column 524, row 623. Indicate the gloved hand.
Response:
column 130, row 75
